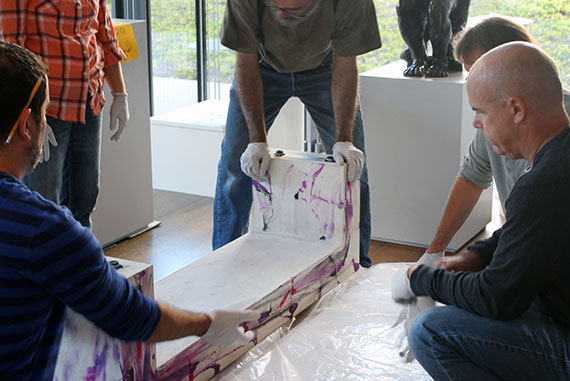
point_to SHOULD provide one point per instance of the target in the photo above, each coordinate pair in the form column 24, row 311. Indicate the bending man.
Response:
column 286, row 48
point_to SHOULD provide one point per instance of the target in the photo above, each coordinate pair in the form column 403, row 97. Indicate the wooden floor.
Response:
column 185, row 232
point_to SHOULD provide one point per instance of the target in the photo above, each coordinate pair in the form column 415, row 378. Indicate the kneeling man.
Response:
column 507, row 297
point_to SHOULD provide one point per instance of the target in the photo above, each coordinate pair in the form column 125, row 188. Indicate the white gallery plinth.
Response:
column 417, row 131
column 124, row 206
column 186, row 143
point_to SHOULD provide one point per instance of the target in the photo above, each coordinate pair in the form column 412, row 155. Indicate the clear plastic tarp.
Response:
column 355, row 332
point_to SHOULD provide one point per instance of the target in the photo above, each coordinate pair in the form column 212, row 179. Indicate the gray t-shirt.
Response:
column 351, row 30
column 481, row 164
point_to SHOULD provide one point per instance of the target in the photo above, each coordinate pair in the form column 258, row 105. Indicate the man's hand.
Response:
column 401, row 289
column 119, row 114
column 466, row 261
column 354, row 158
column 255, row 161
column 415, row 305
column 428, row 259
column 225, row 328
column 49, row 137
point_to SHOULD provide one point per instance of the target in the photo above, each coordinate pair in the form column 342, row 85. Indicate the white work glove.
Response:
column 119, row 114
column 354, row 158
column 49, row 137
column 430, row 259
column 401, row 290
column 424, row 302
column 225, row 330
column 411, row 310
column 255, row 161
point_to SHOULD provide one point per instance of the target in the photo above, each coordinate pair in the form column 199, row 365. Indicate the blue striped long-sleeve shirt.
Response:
column 49, row 261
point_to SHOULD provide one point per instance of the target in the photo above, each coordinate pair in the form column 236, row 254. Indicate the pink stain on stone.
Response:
column 292, row 291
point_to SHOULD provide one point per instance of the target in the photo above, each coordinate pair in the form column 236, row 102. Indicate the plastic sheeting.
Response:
column 354, row 332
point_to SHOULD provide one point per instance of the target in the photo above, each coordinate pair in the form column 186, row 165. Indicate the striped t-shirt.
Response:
column 49, row 261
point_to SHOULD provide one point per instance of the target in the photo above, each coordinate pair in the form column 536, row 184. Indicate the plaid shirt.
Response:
column 76, row 40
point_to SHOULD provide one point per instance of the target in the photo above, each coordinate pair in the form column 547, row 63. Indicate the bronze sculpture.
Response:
column 436, row 21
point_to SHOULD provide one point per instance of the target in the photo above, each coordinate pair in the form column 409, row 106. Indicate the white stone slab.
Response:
column 277, row 270
column 236, row 276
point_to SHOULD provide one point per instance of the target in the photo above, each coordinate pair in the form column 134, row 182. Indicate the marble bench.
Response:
column 303, row 241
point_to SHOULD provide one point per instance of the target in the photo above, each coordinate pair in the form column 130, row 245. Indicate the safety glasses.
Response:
column 13, row 130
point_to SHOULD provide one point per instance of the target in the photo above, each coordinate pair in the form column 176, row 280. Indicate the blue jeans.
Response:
column 71, row 175
column 454, row 344
column 232, row 202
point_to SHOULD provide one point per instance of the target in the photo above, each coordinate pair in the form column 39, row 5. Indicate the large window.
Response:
column 174, row 54
column 181, row 76
column 221, row 60
column 176, row 58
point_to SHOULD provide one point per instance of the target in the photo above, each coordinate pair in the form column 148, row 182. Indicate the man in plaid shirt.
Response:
column 77, row 42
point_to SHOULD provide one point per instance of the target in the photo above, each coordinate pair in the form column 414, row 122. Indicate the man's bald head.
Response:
column 516, row 93
column 522, row 70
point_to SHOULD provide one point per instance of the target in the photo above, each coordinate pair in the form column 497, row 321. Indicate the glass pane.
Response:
column 550, row 26
column 392, row 43
column 221, row 60
column 173, row 24
column 110, row 8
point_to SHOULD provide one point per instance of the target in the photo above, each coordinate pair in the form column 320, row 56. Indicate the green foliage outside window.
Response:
column 173, row 24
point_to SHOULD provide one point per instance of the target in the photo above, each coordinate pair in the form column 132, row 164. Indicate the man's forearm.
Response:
column 175, row 323
column 344, row 89
column 249, row 87
column 461, row 201
column 114, row 77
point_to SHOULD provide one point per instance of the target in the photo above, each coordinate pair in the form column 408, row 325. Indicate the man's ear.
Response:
column 518, row 109
column 25, row 128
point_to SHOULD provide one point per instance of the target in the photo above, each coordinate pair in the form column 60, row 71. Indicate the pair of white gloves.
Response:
column 226, row 328
column 119, row 117
column 256, row 158
column 411, row 304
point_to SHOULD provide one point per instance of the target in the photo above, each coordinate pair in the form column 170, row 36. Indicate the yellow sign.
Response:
column 127, row 40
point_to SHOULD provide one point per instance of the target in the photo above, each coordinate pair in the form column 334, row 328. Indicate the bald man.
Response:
column 481, row 166
column 508, row 313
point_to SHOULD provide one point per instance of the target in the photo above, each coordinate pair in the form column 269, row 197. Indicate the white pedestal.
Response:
column 124, row 206
column 186, row 147
column 417, row 131
column 186, row 143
